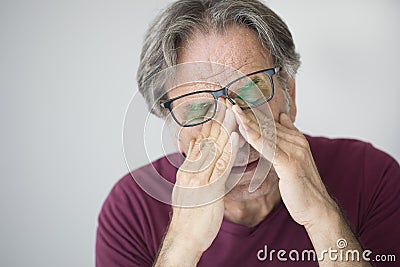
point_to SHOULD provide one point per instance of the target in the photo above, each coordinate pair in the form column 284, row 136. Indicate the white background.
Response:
column 67, row 74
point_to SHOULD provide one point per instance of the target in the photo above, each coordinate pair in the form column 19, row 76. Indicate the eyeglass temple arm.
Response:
column 165, row 104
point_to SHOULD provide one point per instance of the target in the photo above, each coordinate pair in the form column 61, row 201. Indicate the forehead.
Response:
column 236, row 47
column 237, row 51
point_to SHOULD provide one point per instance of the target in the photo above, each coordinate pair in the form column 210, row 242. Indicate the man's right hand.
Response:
column 198, row 207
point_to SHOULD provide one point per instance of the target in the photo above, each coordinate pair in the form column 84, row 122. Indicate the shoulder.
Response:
column 132, row 219
column 364, row 180
column 349, row 153
column 137, row 185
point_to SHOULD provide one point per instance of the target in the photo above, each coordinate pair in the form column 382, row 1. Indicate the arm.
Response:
column 331, row 235
column 176, row 253
column 198, row 206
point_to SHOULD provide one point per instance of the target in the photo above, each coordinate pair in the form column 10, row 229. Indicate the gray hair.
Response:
column 180, row 19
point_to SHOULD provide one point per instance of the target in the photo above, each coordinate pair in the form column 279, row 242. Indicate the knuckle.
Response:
column 303, row 141
column 180, row 174
column 180, row 180
column 266, row 131
column 277, row 155
column 269, row 143
column 221, row 164
column 208, row 145
column 246, row 119
column 200, row 138
column 300, row 153
column 223, row 160
column 227, row 154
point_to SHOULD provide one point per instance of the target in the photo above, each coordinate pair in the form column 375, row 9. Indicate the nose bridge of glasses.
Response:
column 224, row 94
column 220, row 93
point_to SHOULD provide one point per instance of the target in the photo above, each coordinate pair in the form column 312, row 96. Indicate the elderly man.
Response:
column 299, row 200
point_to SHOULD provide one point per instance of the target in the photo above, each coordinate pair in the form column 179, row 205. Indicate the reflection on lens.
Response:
column 193, row 109
column 251, row 91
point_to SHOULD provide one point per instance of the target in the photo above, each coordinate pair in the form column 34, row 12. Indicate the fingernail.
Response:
column 227, row 116
column 234, row 137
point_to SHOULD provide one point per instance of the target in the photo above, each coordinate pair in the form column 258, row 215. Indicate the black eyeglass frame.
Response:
column 223, row 92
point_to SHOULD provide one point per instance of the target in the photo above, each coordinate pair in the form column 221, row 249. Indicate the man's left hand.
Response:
column 300, row 184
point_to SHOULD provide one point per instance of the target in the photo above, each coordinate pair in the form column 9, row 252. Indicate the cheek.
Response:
column 278, row 103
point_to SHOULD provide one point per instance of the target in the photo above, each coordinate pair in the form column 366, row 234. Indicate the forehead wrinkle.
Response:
column 213, row 75
column 235, row 47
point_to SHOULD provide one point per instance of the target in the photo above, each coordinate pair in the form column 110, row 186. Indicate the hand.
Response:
column 300, row 185
column 200, row 185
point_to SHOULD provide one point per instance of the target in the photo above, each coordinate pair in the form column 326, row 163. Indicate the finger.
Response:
column 285, row 121
column 283, row 128
column 207, row 148
column 289, row 132
column 204, row 134
column 190, row 164
column 229, row 121
column 190, row 150
column 195, row 151
column 289, row 152
column 206, row 127
column 205, row 130
column 228, row 104
column 253, row 137
column 262, row 127
column 217, row 120
column 220, row 142
column 201, row 156
column 264, row 144
column 225, row 162
column 280, row 157
column 207, row 162
column 292, row 136
column 228, row 126
column 246, row 120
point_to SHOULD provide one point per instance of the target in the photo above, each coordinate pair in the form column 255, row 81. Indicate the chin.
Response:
column 239, row 190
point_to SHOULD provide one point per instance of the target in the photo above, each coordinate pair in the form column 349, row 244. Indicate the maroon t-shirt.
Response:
column 363, row 180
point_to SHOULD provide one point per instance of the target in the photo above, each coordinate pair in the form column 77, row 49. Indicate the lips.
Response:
column 245, row 168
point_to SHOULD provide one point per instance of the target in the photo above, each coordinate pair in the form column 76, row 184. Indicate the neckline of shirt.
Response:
column 242, row 230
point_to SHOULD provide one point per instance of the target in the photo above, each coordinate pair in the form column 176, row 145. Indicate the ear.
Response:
column 291, row 84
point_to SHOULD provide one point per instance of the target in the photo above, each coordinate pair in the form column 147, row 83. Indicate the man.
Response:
column 322, row 202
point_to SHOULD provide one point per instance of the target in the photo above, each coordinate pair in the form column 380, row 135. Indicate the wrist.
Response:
column 331, row 233
column 329, row 220
column 330, row 228
column 176, row 251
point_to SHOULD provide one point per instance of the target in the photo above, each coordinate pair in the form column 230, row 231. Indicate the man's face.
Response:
column 237, row 48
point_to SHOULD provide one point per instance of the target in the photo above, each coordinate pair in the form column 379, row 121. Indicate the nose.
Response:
column 228, row 104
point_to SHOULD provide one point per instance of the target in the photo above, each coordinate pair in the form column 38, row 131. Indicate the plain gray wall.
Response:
column 67, row 73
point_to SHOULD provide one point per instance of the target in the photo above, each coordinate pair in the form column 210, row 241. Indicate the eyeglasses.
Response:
column 249, row 91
